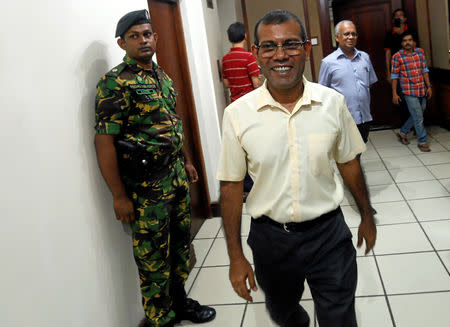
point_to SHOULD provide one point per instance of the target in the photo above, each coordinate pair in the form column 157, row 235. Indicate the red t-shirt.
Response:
column 238, row 66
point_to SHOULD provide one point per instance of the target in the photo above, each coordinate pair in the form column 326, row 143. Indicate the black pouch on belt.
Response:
column 134, row 161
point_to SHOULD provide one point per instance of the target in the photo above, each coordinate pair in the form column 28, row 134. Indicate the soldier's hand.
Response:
column 123, row 208
column 191, row 173
column 240, row 271
column 367, row 231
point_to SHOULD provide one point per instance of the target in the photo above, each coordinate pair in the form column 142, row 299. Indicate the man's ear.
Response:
column 121, row 42
column 254, row 50
column 307, row 47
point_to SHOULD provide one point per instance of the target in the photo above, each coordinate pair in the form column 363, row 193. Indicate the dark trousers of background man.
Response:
column 320, row 251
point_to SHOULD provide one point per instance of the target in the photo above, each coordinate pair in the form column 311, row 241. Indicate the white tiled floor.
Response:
column 403, row 282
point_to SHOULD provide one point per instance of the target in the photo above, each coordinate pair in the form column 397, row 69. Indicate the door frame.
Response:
column 172, row 57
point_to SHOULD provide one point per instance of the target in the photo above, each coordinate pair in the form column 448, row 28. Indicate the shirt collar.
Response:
column 402, row 51
column 237, row 49
column 265, row 99
column 340, row 53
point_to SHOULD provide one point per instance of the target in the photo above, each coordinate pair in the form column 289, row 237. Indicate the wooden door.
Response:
column 172, row 57
column 372, row 20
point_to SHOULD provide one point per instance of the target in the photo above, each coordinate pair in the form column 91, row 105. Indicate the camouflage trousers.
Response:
column 161, row 237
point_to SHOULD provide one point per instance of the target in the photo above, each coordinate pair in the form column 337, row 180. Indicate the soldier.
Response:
column 139, row 144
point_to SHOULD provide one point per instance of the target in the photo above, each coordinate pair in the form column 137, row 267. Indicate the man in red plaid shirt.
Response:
column 409, row 65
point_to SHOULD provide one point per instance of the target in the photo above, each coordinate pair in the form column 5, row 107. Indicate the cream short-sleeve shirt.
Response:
column 290, row 156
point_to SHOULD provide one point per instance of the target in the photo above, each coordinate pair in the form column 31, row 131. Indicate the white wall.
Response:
column 201, row 28
column 440, row 33
column 65, row 260
column 227, row 16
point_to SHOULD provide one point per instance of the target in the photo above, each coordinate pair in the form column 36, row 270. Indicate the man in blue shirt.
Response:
column 350, row 72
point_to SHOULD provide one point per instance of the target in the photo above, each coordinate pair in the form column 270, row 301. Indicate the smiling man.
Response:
column 288, row 132
column 139, row 144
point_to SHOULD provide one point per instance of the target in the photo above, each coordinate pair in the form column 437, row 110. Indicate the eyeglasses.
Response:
column 291, row 48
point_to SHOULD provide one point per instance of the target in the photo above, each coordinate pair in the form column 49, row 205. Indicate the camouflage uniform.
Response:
column 138, row 105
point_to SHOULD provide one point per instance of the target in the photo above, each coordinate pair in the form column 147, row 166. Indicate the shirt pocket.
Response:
column 364, row 75
column 320, row 151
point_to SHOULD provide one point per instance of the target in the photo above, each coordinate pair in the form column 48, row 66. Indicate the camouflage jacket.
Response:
column 139, row 105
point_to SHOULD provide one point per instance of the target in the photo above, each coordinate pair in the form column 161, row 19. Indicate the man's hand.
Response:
column 123, row 208
column 191, row 172
column 396, row 99
column 240, row 270
column 429, row 93
column 368, row 231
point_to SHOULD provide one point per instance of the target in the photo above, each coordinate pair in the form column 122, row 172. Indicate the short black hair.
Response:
column 396, row 10
column 279, row 16
column 406, row 33
column 236, row 32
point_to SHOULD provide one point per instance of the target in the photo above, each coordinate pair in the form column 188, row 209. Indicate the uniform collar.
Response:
column 134, row 66
column 265, row 99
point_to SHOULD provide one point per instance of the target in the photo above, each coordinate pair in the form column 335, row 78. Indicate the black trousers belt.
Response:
column 298, row 227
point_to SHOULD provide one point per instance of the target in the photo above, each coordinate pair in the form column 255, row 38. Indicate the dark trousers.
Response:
column 364, row 129
column 323, row 253
column 248, row 183
column 404, row 112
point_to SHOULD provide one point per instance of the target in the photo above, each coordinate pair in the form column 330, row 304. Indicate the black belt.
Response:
column 298, row 227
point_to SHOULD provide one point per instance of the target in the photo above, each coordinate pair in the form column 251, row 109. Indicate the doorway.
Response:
column 373, row 20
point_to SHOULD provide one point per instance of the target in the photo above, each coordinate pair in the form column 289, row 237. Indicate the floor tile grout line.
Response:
column 406, row 222
column 428, row 238
column 224, row 304
column 201, row 266
column 375, row 257
column 384, row 291
column 409, row 252
column 356, row 297
column 243, row 314
column 440, row 182
column 432, row 172
column 420, row 293
column 442, row 261
column 390, row 174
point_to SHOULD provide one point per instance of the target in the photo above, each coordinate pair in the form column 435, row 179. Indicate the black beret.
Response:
column 132, row 18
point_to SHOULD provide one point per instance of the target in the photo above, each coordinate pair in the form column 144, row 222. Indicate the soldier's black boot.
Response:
column 193, row 311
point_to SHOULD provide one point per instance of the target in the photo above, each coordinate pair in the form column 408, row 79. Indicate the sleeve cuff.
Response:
column 107, row 128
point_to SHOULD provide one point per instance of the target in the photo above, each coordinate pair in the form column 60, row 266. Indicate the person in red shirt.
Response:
column 239, row 69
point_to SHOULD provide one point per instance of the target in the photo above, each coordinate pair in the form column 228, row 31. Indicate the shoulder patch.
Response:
column 116, row 70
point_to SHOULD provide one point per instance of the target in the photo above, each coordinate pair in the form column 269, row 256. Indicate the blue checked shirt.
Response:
column 352, row 78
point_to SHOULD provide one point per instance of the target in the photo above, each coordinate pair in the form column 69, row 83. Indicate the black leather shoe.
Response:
column 192, row 310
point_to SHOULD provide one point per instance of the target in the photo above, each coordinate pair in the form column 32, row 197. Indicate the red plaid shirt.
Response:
column 409, row 69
